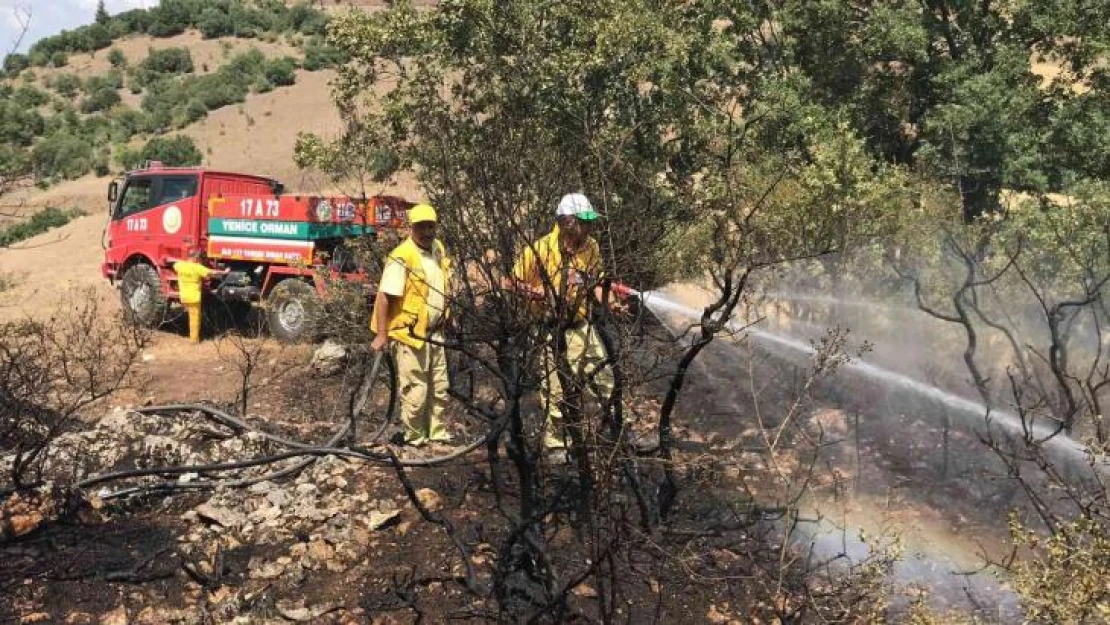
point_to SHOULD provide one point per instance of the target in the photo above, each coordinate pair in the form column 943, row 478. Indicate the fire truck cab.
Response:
column 280, row 249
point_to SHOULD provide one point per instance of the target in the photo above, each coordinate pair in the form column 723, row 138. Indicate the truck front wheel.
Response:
column 141, row 294
column 292, row 311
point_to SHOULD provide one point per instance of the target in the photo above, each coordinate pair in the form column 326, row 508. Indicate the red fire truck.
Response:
column 281, row 249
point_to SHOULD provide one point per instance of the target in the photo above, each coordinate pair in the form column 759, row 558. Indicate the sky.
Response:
column 50, row 17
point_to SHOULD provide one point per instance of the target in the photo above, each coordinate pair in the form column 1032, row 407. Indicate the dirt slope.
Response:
column 254, row 137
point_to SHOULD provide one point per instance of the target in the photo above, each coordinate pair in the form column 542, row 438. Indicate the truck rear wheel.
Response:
column 293, row 311
column 141, row 294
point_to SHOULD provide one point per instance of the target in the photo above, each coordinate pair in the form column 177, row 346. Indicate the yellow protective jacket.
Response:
column 543, row 263
column 190, row 276
column 408, row 315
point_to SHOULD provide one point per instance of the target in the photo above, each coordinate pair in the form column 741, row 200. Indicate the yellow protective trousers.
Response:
column 586, row 355
column 422, row 381
column 194, row 321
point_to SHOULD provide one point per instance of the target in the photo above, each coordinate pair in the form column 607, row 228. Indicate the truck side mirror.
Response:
column 113, row 193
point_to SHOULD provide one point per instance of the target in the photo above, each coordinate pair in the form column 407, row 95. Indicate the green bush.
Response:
column 282, row 72
column 61, row 156
column 215, row 22
column 175, row 151
column 318, row 55
column 116, row 58
column 15, row 63
column 307, row 20
column 168, row 61
column 100, row 100
column 102, row 162
column 111, row 80
column 97, row 37
column 30, row 97
column 18, row 124
column 47, row 218
column 125, row 123
column 67, row 85
column 59, row 59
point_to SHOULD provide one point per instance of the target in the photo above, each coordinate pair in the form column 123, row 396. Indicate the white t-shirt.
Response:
column 395, row 274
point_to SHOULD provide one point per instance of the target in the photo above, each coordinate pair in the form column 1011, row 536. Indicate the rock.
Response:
column 25, row 523
column 262, row 488
column 379, row 519
column 301, row 614
column 35, row 617
column 329, row 358
column 320, row 551
column 584, row 590
column 429, row 499
column 80, row 618
column 162, row 616
column 719, row 617
column 261, row 515
column 222, row 516
column 304, row 489
column 265, row 570
column 115, row 617
column 277, row 497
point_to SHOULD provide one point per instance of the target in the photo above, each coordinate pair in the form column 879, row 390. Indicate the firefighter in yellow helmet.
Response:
column 409, row 312
column 560, row 274
column 191, row 275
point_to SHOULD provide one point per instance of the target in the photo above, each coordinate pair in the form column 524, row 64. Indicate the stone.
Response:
column 329, row 358
column 320, row 551
column 25, row 523
column 115, row 617
column 429, row 499
column 80, row 618
column 379, row 519
column 222, row 516
column 266, row 570
column 35, row 617
column 300, row 613
column 584, row 590
column 277, row 497
column 261, row 488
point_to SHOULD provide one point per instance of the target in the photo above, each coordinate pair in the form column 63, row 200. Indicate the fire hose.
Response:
column 299, row 449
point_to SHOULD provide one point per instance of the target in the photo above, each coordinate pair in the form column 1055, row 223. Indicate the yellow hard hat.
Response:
column 421, row 212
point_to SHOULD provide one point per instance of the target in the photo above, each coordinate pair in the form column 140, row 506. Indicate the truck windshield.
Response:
column 136, row 197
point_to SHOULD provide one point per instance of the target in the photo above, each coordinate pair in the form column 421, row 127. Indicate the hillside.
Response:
column 256, row 136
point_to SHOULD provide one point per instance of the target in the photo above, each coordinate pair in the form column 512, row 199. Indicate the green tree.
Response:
column 950, row 86
column 215, row 22
column 61, row 156
column 15, row 63
column 175, row 151
column 102, row 16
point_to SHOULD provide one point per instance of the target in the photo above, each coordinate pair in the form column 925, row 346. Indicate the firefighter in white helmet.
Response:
column 561, row 275
column 408, row 313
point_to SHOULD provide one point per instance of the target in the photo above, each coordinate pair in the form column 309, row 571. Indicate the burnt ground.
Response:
column 340, row 542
